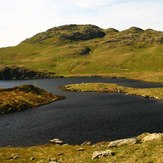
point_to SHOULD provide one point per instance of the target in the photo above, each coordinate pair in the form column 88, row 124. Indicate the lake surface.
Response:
column 82, row 116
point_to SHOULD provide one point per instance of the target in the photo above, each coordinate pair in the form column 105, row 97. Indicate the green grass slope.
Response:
column 74, row 50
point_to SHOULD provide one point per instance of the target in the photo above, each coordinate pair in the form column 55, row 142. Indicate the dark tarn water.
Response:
column 81, row 116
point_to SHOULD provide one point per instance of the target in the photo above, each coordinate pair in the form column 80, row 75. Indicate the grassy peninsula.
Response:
column 156, row 93
column 88, row 50
column 24, row 97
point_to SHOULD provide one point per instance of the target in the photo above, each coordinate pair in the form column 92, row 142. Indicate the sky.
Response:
column 21, row 19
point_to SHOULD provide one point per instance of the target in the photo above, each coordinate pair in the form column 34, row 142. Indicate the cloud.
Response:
column 91, row 3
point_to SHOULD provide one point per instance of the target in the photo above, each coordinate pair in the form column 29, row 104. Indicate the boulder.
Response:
column 54, row 160
column 32, row 158
column 98, row 154
column 56, row 141
column 121, row 142
column 154, row 136
column 86, row 143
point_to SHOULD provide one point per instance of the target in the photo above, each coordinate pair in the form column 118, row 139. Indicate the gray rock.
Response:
column 154, row 136
column 32, row 158
column 98, row 154
column 56, row 141
column 60, row 154
column 86, row 143
column 121, row 142
column 54, row 160
column 16, row 157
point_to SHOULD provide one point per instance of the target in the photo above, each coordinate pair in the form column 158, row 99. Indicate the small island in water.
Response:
column 24, row 97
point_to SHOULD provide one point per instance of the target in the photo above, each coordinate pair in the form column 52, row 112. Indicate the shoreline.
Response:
column 145, row 147
column 152, row 93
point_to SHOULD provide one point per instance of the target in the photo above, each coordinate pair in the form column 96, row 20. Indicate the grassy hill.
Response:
column 74, row 50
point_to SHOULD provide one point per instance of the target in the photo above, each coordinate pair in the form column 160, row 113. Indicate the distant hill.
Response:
column 68, row 33
column 72, row 33
column 89, row 50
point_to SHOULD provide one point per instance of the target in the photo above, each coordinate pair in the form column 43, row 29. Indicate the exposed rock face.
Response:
column 9, row 73
column 98, row 154
column 121, row 142
column 70, row 32
column 87, row 34
column 154, row 136
column 134, row 37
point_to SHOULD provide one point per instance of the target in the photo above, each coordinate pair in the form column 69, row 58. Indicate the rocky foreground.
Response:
column 24, row 97
column 144, row 149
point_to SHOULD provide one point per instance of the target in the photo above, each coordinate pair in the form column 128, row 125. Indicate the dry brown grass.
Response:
column 24, row 97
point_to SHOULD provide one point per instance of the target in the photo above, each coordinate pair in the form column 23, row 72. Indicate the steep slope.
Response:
column 89, row 50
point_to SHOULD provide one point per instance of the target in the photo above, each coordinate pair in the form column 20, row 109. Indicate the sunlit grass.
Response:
column 156, row 93
column 141, row 152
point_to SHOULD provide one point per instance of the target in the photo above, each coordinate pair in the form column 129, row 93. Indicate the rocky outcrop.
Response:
column 134, row 37
column 68, row 33
column 11, row 73
column 56, row 141
column 118, row 143
column 86, row 34
column 98, row 154
column 153, row 136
